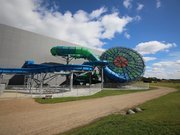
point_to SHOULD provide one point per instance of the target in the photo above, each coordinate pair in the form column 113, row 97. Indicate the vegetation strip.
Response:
column 103, row 93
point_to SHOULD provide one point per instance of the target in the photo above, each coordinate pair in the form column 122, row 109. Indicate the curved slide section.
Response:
column 125, row 64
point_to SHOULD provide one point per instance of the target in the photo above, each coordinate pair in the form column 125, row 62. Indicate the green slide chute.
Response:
column 75, row 52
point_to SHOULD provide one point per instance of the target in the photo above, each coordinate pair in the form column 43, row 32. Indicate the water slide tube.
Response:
column 80, row 52
column 75, row 52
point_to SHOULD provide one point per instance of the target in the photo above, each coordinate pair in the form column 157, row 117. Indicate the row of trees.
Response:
column 154, row 79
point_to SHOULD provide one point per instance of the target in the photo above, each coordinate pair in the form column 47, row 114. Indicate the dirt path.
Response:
column 24, row 116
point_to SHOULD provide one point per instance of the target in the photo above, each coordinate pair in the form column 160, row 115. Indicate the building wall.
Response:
column 17, row 46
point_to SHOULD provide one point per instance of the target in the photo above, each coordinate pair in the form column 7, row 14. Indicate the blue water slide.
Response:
column 44, row 68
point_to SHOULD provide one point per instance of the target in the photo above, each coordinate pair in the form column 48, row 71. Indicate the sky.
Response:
column 151, row 27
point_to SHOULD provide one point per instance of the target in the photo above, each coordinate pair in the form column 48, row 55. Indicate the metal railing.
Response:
column 24, row 91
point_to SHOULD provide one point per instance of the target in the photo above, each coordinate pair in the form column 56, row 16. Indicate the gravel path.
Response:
column 24, row 116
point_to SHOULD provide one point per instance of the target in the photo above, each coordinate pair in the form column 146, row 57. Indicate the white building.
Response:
column 17, row 46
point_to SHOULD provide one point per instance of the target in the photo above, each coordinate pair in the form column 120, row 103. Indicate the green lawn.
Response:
column 160, row 117
column 102, row 93
column 172, row 85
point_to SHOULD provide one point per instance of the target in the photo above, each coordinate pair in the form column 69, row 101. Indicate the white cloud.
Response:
column 139, row 6
column 149, row 58
column 158, row 3
column 113, row 24
column 127, row 3
column 164, row 69
column 83, row 28
column 127, row 35
column 153, row 47
column 97, row 13
column 165, row 64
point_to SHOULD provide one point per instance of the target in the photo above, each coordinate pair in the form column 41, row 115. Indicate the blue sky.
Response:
column 149, row 26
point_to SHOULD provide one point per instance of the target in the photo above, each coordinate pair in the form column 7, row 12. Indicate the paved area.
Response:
column 24, row 116
column 8, row 95
column 26, row 94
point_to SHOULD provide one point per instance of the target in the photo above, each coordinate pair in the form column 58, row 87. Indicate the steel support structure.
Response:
column 102, row 78
column 1, row 78
column 71, row 81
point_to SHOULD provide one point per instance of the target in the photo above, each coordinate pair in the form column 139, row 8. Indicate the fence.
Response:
column 23, row 91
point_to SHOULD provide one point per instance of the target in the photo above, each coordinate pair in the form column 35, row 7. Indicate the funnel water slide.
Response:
column 123, row 64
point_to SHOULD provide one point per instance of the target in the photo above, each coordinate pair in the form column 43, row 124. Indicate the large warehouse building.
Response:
column 17, row 46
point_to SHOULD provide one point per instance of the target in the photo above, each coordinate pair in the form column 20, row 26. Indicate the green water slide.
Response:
column 75, row 52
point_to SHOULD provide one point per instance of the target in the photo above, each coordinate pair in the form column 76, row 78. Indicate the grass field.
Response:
column 160, row 117
column 165, row 84
column 102, row 93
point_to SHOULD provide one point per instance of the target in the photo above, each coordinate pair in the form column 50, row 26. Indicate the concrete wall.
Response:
column 17, row 46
